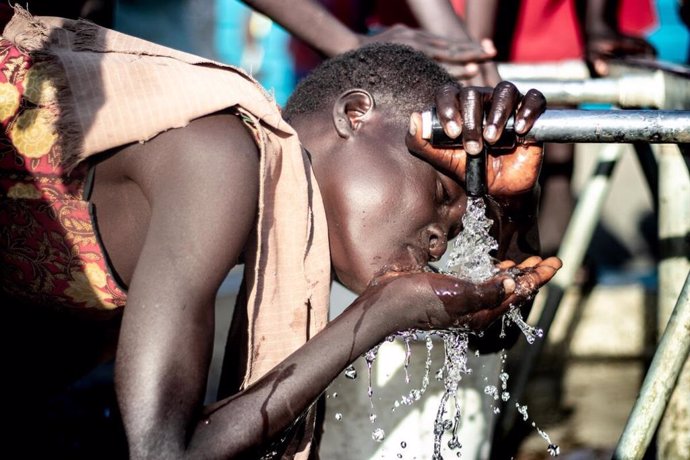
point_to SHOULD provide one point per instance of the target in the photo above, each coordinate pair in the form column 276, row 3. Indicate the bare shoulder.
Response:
column 200, row 180
column 212, row 154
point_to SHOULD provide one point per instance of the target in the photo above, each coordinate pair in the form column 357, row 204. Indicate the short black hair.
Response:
column 395, row 75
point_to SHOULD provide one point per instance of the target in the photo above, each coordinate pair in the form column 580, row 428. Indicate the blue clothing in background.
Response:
column 670, row 38
column 255, row 44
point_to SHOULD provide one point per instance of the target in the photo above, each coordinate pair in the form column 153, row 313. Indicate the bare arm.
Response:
column 438, row 16
column 480, row 17
column 309, row 21
column 603, row 38
column 328, row 35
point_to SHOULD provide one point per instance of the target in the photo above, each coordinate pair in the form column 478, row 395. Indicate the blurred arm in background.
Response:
column 330, row 36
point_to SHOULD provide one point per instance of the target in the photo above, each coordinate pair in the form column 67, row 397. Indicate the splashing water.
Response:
column 530, row 332
column 469, row 259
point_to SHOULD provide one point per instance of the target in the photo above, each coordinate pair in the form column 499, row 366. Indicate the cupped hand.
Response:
column 436, row 301
column 459, row 57
column 461, row 112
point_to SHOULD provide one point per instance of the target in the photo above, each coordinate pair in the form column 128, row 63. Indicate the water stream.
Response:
column 470, row 259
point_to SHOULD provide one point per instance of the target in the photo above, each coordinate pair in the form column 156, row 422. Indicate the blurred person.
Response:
column 336, row 26
column 134, row 177
column 555, row 30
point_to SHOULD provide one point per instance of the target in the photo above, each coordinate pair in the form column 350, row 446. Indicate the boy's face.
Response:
column 386, row 208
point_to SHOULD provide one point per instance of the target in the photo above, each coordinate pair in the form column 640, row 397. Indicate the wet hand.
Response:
column 461, row 112
column 435, row 301
column 459, row 57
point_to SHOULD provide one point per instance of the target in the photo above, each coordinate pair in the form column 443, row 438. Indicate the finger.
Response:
column 529, row 262
column 504, row 103
column 452, row 50
column 462, row 72
column 448, row 110
column 488, row 46
column 536, row 277
column 532, row 106
column 459, row 54
column 553, row 262
column 472, row 110
column 451, row 161
column 505, row 265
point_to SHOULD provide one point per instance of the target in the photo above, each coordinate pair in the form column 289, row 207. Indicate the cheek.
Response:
column 382, row 231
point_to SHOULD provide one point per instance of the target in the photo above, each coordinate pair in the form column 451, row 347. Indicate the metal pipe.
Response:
column 658, row 89
column 673, row 436
column 557, row 70
column 611, row 126
column 589, row 126
column 659, row 382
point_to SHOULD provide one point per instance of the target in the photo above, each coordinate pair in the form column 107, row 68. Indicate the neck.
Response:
column 317, row 136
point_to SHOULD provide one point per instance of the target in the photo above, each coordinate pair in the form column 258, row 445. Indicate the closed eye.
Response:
column 443, row 197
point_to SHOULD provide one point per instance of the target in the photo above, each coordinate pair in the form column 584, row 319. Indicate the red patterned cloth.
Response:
column 50, row 254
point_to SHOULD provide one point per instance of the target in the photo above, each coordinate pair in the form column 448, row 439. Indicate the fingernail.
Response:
column 520, row 125
column 413, row 126
column 471, row 68
column 508, row 286
column 452, row 129
column 490, row 132
column 488, row 46
column 473, row 147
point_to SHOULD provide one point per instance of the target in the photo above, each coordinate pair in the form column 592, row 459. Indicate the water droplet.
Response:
column 372, row 417
column 553, row 450
column 399, row 455
column 378, row 435
column 351, row 372
column 403, row 444
column 523, row 411
column 335, row 394
column 454, row 443
column 338, row 416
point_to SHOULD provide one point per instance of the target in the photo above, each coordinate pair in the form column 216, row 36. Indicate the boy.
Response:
column 135, row 177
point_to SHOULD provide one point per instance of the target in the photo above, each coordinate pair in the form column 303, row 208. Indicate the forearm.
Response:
column 480, row 18
column 258, row 414
column 310, row 22
column 438, row 17
column 598, row 16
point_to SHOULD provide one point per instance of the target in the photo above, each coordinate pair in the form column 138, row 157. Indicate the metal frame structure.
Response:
column 672, row 205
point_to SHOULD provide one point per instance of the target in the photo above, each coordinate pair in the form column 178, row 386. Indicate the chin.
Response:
column 356, row 284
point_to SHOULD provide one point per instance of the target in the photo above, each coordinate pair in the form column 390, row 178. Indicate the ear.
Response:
column 350, row 110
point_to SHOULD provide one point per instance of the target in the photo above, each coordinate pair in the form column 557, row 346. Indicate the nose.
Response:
column 436, row 240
